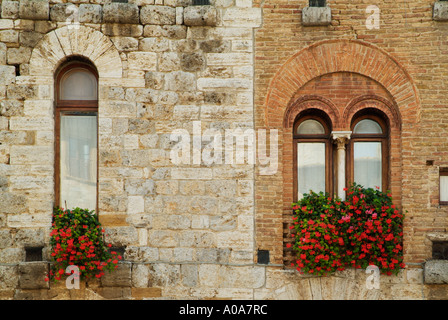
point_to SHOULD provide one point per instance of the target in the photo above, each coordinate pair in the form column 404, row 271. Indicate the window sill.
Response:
column 316, row 16
column 440, row 12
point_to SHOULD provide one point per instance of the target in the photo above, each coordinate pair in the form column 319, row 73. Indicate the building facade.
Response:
column 138, row 110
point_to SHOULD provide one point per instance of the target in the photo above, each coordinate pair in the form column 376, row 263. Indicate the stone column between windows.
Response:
column 341, row 138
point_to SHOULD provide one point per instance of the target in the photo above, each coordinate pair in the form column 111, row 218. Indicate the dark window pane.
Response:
column 317, row 3
column 201, row 2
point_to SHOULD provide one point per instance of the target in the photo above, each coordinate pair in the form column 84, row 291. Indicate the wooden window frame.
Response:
column 310, row 138
column 82, row 106
column 385, row 147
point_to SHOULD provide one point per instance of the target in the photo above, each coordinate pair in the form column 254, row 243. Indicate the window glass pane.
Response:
column 310, row 127
column 317, row 3
column 367, row 126
column 443, row 188
column 368, row 164
column 78, row 84
column 310, row 168
column 78, row 157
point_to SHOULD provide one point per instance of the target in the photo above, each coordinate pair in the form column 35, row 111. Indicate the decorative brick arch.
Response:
column 307, row 102
column 341, row 56
column 65, row 42
column 373, row 102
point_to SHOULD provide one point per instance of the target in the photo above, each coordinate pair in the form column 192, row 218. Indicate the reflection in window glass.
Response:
column 311, row 127
column 78, row 161
column 367, row 164
column 310, row 168
column 78, row 84
column 367, row 126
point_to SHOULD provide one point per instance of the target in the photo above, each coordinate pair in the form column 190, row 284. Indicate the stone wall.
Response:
column 193, row 230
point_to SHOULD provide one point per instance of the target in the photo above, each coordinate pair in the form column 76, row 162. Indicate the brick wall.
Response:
column 407, row 50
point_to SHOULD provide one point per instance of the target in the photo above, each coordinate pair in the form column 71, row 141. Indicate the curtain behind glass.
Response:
column 78, row 161
column 310, row 168
column 443, row 188
column 367, row 164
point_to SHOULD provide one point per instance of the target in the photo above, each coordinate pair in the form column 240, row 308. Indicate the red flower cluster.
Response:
column 331, row 235
column 76, row 239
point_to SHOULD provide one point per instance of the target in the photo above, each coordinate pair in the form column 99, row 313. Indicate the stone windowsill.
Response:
column 316, row 16
column 440, row 12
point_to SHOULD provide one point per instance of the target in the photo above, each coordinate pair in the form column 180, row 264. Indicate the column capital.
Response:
column 341, row 138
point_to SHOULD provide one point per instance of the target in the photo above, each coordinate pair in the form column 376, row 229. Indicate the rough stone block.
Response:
column 60, row 12
column 32, row 275
column 146, row 61
column 145, row 293
column 121, row 13
column 34, row 9
column 436, row 272
column 180, row 81
column 192, row 62
column 90, row 13
column 200, row 16
column 18, row 55
column 10, row 36
column 7, row 75
column 6, row 24
column 10, row 9
column 242, row 17
column 120, row 277
column 440, row 12
column 189, row 275
column 160, row 15
column 154, row 44
column 125, row 43
column 316, row 16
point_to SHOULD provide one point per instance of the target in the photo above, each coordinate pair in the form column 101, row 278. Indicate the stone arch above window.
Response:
column 56, row 46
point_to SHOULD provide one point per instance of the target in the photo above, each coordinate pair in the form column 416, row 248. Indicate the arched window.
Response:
column 312, row 156
column 76, row 123
column 369, row 152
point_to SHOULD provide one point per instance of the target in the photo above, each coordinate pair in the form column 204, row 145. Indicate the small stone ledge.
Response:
column 436, row 272
column 316, row 16
column 440, row 12
column 200, row 16
column 32, row 275
column 437, row 236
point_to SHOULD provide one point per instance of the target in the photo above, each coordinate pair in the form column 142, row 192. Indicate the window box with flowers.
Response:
column 331, row 235
column 77, row 240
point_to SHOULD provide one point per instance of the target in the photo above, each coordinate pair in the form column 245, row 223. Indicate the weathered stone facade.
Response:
column 194, row 230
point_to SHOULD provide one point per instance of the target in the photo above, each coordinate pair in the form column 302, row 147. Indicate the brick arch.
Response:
column 307, row 102
column 57, row 45
column 373, row 102
column 341, row 56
